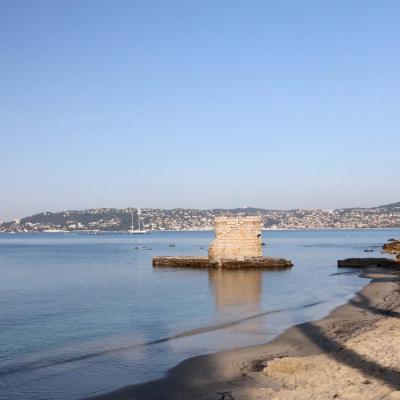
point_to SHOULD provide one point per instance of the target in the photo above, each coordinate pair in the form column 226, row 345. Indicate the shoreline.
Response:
column 257, row 372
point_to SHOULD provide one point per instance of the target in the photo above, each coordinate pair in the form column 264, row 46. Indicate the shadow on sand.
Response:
column 336, row 349
column 198, row 377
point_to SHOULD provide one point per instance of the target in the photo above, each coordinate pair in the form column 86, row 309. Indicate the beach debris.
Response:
column 225, row 396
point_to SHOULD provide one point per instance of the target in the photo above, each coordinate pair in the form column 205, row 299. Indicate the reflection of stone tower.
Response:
column 237, row 297
column 236, row 238
column 236, row 287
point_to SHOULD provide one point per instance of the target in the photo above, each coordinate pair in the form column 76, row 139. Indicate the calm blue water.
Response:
column 85, row 314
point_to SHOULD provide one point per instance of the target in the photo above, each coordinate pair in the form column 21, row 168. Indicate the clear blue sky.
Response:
column 275, row 104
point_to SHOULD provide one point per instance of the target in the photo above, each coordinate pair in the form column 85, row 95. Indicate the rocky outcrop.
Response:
column 392, row 247
column 205, row 262
column 183, row 261
column 256, row 262
column 368, row 262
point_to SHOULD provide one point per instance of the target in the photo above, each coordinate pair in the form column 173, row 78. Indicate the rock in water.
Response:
column 368, row 262
column 392, row 247
column 205, row 262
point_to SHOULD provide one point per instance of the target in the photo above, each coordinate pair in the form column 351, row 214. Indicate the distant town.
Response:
column 120, row 220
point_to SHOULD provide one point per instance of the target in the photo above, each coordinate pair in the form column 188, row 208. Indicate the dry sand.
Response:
column 326, row 377
column 353, row 353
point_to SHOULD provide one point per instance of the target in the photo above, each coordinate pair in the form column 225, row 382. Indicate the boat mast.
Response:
column 132, row 221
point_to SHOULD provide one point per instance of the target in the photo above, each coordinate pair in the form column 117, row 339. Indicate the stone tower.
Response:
column 236, row 238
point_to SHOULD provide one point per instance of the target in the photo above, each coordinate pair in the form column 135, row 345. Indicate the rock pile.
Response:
column 392, row 247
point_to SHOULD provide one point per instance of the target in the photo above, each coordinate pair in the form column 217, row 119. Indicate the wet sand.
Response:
column 352, row 353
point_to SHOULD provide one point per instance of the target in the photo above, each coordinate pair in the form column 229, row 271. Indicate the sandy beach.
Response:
column 353, row 353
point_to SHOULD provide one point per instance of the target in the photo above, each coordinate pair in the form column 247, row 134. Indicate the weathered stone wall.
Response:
column 236, row 238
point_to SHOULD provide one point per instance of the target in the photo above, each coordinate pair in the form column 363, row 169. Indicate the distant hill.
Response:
column 391, row 206
column 114, row 219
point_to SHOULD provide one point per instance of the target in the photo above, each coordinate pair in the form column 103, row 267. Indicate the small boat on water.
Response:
column 138, row 231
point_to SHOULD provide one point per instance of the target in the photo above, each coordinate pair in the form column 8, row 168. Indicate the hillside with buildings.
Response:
column 112, row 219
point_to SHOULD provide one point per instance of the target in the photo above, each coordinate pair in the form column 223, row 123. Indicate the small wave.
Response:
column 357, row 271
column 197, row 331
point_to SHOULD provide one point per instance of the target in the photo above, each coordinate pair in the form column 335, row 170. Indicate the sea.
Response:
column 83, row 314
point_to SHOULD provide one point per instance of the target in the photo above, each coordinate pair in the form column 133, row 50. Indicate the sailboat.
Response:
column 138, row 231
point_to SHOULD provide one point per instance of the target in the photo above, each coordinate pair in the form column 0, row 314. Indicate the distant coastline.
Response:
column 180, row 219
column 89, row 232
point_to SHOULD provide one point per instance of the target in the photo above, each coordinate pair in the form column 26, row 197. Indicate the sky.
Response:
column 198, row 104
